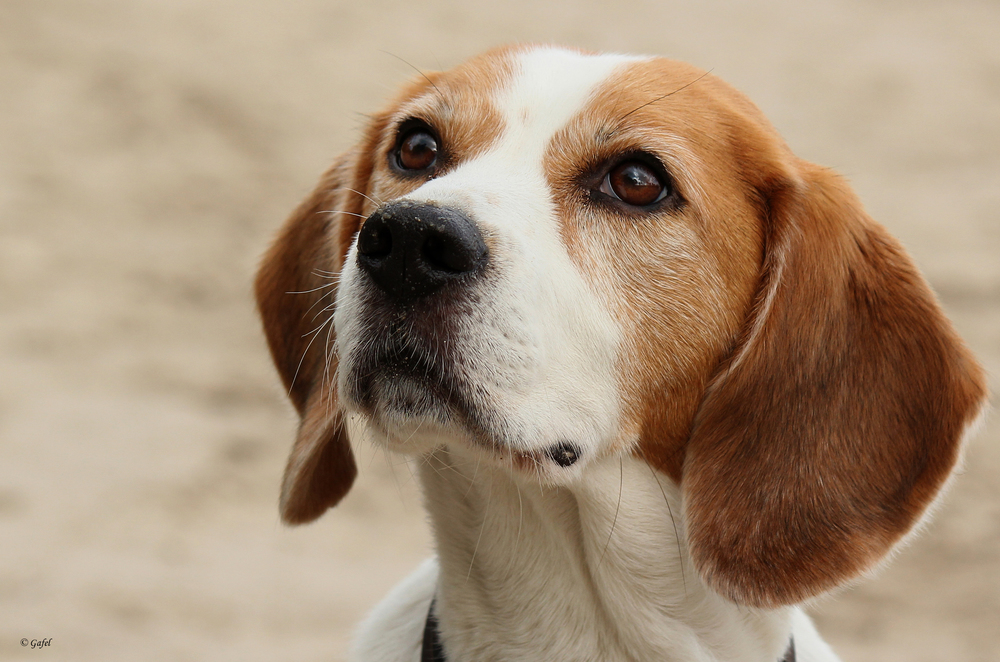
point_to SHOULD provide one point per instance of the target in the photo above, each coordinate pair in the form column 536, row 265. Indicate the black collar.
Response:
column 432, row 651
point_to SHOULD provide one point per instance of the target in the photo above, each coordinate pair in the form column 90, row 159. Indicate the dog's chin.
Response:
column 408, row 416
column 410, row 404
column 413, row 415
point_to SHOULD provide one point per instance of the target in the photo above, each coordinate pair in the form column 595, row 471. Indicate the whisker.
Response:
column 368, row 198
column 475, row 472
column 621, row 482
column 328, row 359
column 315, row 335
column 673, row 523
column 415, row 69
column 517, row 539
column 415, row 431
column 426, row 457
column 472, row 562
column 334, row 277
column 326, row 308
column 342, row 211
column 429, row 460
column 661, row 98
column 392, row 470
column 315, row 289
column 374, row 446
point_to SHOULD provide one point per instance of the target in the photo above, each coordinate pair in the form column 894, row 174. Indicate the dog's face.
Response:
column 538, row 259
column 545, row 257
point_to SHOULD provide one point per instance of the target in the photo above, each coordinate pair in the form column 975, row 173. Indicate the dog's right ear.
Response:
column 296, row 289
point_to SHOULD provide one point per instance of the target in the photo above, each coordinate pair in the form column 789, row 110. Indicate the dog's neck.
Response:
column 595, row 571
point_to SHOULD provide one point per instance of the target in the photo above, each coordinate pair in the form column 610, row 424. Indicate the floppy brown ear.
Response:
column 296, row 291
column 836, row 421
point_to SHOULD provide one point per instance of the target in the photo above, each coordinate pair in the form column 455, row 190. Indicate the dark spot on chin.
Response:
column 564, row 454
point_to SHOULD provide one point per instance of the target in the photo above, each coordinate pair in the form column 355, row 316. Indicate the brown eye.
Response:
column 634, row 183
column 417, row 150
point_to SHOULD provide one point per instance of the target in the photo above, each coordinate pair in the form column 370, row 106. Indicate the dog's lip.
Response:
column 403, row 358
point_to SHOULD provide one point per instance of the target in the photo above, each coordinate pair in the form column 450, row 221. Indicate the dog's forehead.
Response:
column 521, row 94
column 552, row 86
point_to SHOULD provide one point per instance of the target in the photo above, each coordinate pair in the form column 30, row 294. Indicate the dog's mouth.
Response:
column 398, row 376
column 401, row 377
column 405, row 388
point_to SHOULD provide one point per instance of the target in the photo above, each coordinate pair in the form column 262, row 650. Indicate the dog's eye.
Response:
column 417, row 150
column 634, row 183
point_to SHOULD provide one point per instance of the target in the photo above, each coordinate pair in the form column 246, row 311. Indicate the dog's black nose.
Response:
column 411, row 249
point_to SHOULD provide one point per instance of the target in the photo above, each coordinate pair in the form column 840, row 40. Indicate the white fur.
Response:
column 394, row 630
column 585, row 563
column 596, row 570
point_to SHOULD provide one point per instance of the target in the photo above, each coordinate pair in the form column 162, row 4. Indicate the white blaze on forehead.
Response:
column 549, row 88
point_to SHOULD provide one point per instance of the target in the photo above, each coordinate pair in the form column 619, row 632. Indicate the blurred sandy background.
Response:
column 149, row 149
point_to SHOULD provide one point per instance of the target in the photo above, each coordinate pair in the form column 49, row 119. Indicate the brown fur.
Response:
column 456, row 104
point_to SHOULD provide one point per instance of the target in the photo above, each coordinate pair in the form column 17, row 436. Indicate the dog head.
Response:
column 547, row 257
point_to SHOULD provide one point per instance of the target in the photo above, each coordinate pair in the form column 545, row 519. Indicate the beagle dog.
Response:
column 664, row 381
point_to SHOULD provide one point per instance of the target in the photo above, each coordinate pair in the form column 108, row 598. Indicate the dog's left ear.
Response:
column 296, row 290
column 839, row 416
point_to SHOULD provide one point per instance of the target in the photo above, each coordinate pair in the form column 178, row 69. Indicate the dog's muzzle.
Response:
column 410, row 250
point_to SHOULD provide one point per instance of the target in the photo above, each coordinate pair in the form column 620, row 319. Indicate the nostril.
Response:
column 375, row 238
column 564, row 454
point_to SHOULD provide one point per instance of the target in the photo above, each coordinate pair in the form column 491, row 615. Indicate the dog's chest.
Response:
column 594, row 572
